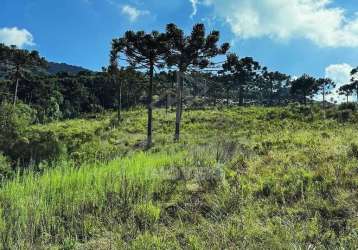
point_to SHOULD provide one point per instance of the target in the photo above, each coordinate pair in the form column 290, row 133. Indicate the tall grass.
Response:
column 60, row 201
column 283, row 182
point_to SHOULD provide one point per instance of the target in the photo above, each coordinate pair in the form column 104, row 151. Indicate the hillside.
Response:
column 248, row 178
column 54, row 68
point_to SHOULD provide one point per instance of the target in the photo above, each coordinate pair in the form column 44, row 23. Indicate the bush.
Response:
column 146, row 215
column 348, row 106
column 344, row 115
column 22, row 146
column 279, row 115
column 14, row 120
column 197, row 103
column 354, row 150
column 36, row 147
column 5, row 168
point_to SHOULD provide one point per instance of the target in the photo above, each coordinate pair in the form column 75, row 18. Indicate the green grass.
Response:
column 239, row 178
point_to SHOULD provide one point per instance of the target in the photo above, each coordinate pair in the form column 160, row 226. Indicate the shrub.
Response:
column 36, row 147
column 146, row 215
column 350, row 105
column 197, row 103
column 13, row 122
column 5, row 168
column 344, row 115
column 354, row 150
column 21, row 145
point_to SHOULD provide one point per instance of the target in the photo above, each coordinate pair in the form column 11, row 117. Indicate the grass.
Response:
column 240, row 178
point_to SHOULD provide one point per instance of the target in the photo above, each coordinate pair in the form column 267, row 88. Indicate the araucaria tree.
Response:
column 244, row 71
column 273, row 82
column 303, row 87
column 193, row 51
column 354, row 81
column 146, row 50
column 346, row 90
column 20, row 62
column 114, row 73
column 325, row 85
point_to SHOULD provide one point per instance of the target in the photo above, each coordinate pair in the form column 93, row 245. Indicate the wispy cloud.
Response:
column 16, row 36
column 133, row 13
column 194, row 4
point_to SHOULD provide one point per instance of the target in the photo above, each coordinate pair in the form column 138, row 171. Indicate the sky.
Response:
column 317, row 37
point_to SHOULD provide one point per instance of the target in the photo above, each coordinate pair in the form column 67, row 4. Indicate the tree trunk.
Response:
column 16, row 89
column 167, row 104
column 271, row 94
column 324, row 101
column 227, row 97
column 178, row 106
column 120, row 101
column 181, row 97
column 241, row 96
column 150, row 106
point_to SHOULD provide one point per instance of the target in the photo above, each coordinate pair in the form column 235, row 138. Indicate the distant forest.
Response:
column 154, row 69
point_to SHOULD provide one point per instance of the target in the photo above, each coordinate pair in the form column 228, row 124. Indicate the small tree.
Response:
column 195, row 50
column 304, row 87
column 146, row 50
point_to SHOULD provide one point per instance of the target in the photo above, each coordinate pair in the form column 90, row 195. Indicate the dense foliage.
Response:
column 235, row 82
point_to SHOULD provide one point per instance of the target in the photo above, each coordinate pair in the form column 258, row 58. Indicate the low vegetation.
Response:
column 240, row 178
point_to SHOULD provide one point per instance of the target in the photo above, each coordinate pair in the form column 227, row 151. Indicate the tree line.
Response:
column 152, row 69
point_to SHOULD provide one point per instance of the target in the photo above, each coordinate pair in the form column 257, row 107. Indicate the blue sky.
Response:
column 318, row 37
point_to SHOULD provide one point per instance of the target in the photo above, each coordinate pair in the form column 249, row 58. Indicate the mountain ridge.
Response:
column 55, row 67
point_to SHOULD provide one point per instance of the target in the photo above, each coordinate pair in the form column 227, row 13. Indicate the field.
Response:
column 250, row 178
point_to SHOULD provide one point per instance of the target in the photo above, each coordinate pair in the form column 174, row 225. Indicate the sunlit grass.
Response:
column 284, row 184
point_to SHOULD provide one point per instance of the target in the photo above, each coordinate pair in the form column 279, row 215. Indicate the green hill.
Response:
column 54, row 68
column 248, row 178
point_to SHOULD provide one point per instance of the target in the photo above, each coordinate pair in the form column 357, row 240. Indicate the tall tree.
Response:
column 274, row 82
column 346, row 90
column 244, row 72
column 186, row 51
column 20, row 62
column 114, row 72
column 147, row 50
column 303, row 87
column 354, row 81
column 325, row 86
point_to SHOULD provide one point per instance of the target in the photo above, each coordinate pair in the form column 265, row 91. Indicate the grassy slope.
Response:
column 282, row 184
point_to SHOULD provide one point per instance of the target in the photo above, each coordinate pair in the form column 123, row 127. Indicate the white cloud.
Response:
column 15, row 36
column 341, row 75
column 133, row 13
column 315, row 20
column 194, row 4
